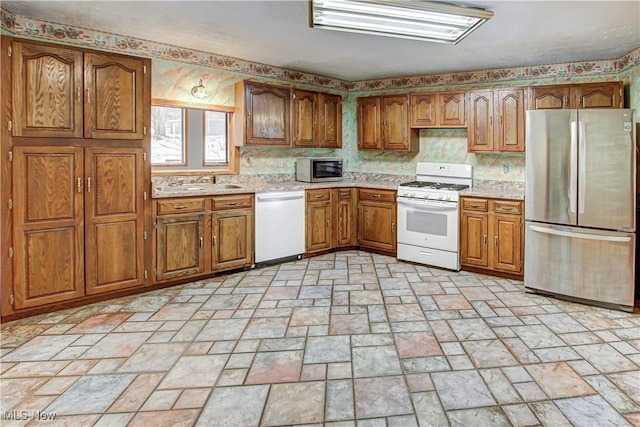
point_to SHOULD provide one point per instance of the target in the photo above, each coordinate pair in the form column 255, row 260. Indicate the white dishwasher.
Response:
column 280, row 225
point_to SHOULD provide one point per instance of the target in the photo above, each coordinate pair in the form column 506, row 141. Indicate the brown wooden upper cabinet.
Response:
column 496, row 120
column 63, row 92
column 585, row 95
column 263, row 114
column 438, row 110
column 330, row 121
column 317, row 119
column 383, row 124
column 272, row 115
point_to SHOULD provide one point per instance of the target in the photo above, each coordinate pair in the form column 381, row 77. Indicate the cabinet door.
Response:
column 47, row 91
column 377, row 225
column 604, row 95
column 344, row 225
column 369, row 123
column 423, row 110
column 114, row 219
column 305, row 116
column 395, row 122
column 452, row 110
column 232, row 238
column 330, row 129
column 267, row 115
column 510, row 116
column 179, row 251
column 319, row 233
column 474, row 230
column 549, row 97
column 47, row 225
column 507, row 241
column 114, row 100
column 480, row 125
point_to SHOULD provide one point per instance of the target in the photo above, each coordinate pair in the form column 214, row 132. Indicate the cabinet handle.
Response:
column 79, row 185
column 377, row 196
column 232, row 203
column 474, row 205
column 328, row 224
column 214, row 240
column 484, row 239
column 491, row 120
column 393, row 227
column 506, row 208
column 496, row 240
column 88, row 95
column 201, row 242
column 89, row 185
column 317, row 196
column 179, row 207
column 78, row 94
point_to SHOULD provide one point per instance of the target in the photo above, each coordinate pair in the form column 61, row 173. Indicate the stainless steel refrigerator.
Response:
column 580, row 205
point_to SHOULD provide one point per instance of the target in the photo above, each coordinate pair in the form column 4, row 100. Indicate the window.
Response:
column 216, row 125
column 191, row 137
column 167, row 136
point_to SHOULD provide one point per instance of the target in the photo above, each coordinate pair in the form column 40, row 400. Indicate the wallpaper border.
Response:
column 19, row 26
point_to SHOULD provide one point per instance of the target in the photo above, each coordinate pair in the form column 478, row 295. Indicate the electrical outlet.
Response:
column 505, row 168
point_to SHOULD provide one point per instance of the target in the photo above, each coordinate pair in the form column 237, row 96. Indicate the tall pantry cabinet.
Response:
column 75, row 175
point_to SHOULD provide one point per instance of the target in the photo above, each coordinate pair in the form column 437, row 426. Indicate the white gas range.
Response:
column 429, row 214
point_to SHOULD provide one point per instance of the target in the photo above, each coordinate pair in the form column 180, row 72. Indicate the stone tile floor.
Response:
column 343, row 339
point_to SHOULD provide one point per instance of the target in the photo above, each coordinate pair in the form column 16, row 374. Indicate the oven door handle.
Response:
column 431, row 205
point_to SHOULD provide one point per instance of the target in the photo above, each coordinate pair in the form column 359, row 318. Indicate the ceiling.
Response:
column 277, row 33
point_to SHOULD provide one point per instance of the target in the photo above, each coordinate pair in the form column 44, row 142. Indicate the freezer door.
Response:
column 551, row 166
column 588, row 264
column 606, row 169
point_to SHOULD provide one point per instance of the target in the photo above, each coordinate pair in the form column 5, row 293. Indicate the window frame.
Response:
column 232, row 165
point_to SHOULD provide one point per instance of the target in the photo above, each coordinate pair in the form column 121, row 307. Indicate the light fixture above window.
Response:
column 409, row 19
column 199, row 91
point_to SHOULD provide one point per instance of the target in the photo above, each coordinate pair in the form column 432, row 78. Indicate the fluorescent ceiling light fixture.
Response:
column 409, row 19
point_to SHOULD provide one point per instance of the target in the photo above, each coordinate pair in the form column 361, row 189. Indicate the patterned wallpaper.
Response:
column 176, row 70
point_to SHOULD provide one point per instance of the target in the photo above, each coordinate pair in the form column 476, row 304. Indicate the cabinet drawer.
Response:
column 232, row 202
column 509, row 207
column 319, row 195
column 480, row 205
column 344, row 193
column 180, row 206
column 376, row 195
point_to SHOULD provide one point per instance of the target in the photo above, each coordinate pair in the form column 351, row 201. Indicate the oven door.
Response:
column 428, row 224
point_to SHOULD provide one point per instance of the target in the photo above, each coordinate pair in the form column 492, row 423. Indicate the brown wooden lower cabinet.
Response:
column 78, row 223
column 196, row 236
column 491, row 235
column 330, row 219
column 345, row 217
column 232, row 239
column 377, row 220
column 180, row 245
column 319, row 221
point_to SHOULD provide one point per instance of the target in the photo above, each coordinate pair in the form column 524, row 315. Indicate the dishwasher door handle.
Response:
column 278, row 198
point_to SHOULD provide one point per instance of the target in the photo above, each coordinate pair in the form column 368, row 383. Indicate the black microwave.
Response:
column 318, row 169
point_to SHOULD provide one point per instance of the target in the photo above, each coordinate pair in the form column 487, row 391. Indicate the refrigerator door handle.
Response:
column 579, row 235
column 573, row 176
column 582, row 146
